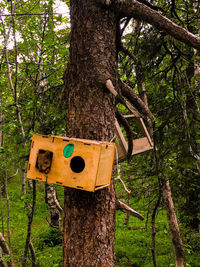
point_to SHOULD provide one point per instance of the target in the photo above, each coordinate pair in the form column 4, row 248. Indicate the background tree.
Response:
column 30, row 43
column 96, row 59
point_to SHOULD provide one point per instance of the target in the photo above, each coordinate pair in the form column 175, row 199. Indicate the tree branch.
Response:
column 135, row 100
column 128, row 52
column 5, row 249
column 125, row 25
column 139, row 11
column 30, row 219
column 33, row 255
column 10, row 177
column 120, row 98
column 128, row 210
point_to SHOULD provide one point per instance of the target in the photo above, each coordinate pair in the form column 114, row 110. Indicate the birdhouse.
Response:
column 140, row 145
column 77, row 163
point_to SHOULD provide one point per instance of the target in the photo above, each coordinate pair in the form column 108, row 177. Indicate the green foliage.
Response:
column 46, row 241
column 50, row 257
column 51, row 238
column 31, row 100
column 133, row 242
column 166, row 68
column 49, row 247
column 5, row 258
column 36, row 63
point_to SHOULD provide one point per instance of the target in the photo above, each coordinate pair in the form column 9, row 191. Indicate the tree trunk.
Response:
column 173, row 226
column 30, row 211
column 55, row 210
column 89, row 222
column 8, row 208
column 6, row 250
column 2, row 263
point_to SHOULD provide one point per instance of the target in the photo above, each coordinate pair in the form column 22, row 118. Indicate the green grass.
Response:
column 132, row 244
column 48, row 256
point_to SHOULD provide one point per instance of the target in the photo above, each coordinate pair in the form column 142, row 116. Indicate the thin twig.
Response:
column 30, row 14
column 119, row 178
column 10, row 177
column 8, row 208
column 153, row 229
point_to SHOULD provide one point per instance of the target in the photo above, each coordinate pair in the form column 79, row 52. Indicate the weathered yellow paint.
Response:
column 98, row 158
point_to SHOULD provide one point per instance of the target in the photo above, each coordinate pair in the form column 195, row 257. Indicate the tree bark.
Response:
column 2, row 263
column 30, row 211
column 173, row 226
column 33, row 255
column 5, row 249
column 55, row 210
column 89, row 222
column 8, row 208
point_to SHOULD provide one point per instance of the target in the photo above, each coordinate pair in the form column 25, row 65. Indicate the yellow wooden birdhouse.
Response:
column 76, row 163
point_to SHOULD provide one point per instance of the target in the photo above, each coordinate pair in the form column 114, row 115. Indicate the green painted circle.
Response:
column 68, row 150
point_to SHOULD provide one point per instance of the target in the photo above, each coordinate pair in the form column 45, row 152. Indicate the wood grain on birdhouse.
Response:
column 77, row 163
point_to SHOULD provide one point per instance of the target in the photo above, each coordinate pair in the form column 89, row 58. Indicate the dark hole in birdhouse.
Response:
column 77, row 164
column 44, row 160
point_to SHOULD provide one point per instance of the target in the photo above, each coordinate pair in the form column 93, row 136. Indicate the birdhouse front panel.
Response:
column 77, row 163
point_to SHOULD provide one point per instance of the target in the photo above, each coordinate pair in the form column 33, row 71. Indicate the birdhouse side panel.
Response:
column 105, row 168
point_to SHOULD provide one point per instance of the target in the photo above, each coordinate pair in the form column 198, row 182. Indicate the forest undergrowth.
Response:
column 133, row 241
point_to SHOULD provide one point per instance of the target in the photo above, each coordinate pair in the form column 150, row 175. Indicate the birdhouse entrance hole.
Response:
column 77, row 164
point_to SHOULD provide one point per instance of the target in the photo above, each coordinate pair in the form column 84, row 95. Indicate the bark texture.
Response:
column 5, row 249
column 173, row 226
column 89, row 222
column 55, row 210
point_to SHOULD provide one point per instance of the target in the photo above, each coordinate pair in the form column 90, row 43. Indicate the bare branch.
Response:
column 173, row 225
column 125, row 25
column 33, row 255
column 120, row 98
column 29, row 14
column 10, row 177
column 135, row 100
column 125, row 188
column 139, row 11
column 119, row 178
column 5, row 249
column 129, row 53
column 111, row 88
column 128, row 210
